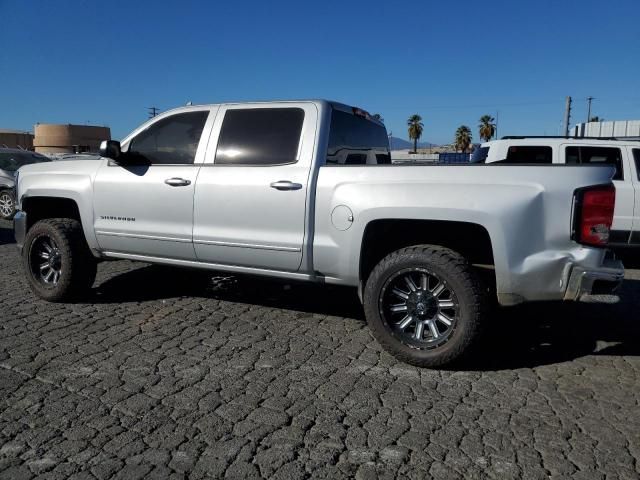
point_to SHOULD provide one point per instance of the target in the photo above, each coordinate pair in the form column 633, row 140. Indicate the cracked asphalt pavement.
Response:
column 164, row 374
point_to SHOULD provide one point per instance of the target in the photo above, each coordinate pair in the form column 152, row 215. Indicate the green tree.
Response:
column 596, row 118
column 416, row 128
column 487, row 127
column 463, row 138
column 378, row 117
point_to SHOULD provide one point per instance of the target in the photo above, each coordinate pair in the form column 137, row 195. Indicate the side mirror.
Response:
column 110, row 149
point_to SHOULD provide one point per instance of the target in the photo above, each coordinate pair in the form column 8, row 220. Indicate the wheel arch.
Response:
column 40, row 207
column 383, row 236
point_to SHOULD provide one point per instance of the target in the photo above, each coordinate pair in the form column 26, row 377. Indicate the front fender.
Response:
column 77, row 188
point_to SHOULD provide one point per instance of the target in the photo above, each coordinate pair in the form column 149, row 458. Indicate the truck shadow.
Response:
column 6, row 233
column 551, row 332
column 155, row 282
column 630, row 257
column 516, row 337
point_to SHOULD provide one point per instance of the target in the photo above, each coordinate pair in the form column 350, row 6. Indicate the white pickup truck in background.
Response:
column 305, row 190
column 621, row 153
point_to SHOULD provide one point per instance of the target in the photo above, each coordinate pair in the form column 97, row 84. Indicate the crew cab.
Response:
column 305, row 190
column 623, row 154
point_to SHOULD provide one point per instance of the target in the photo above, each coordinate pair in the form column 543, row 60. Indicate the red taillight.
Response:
column 595, row 211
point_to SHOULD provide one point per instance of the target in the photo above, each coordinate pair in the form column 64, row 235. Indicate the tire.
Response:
column 70, row 269
column 405, row 326
column 7, row 205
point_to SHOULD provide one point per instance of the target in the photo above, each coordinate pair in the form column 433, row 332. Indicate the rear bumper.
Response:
column 585, row 281
column 20, row 228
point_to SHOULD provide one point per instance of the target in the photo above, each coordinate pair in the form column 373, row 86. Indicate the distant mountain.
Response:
column 396, row 143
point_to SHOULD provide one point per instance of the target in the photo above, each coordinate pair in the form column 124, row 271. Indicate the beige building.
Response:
column 51, row 138
column 16, row 139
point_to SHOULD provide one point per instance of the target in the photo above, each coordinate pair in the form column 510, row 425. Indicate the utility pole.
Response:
column 589, row 99
column 567, row 116
column 153, row 111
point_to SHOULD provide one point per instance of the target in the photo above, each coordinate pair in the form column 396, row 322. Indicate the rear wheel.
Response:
column 7, row 205
column 425, row 305
column 57, row 260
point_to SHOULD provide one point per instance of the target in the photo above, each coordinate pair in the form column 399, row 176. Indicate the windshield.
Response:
column 12, row 161
column 479, row 155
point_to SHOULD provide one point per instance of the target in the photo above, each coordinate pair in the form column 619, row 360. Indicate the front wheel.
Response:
column 7, row 205
column 425, row 305
column 57, row 260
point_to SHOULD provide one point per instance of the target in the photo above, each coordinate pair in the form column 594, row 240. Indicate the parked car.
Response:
column 63, row 157
column 261, row 188
column 11, row 159
column 623, row 154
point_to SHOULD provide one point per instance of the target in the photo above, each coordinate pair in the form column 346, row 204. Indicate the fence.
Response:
column 454, row 158
column 404, row 157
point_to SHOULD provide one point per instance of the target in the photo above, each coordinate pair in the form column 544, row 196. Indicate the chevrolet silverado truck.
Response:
column 305, row 190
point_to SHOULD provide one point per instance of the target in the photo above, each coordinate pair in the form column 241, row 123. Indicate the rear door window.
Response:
column 260, row 136
column 529, row 154
column 596, row 156
column 355, row 140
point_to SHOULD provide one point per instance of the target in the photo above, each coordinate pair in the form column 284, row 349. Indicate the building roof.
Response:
column 20, row 132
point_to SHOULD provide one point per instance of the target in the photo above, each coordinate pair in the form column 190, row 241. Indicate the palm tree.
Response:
column 463, row 138
column 415, row 130
column 487, row 127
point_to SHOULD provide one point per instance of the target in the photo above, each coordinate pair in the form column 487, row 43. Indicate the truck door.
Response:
column 251, row 194
column 147, row 208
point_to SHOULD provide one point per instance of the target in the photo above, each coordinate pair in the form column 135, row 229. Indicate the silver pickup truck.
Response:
column 306, row 191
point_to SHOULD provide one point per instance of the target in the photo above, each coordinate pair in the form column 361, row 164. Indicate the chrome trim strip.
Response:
column 142, row 237
column 221, row 267
column 247, row 245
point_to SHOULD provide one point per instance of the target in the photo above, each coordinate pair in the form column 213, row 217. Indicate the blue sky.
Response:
column 105, row 62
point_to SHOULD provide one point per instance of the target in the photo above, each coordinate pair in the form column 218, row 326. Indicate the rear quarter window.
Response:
column 636, row 158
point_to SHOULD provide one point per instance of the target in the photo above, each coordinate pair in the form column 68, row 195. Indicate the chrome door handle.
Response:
column 177, row 182
column 286, row 185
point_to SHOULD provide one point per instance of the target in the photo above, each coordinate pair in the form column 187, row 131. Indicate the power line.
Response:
column 489, row 105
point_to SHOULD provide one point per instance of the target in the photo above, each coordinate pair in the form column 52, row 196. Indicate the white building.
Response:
column 616, row 128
